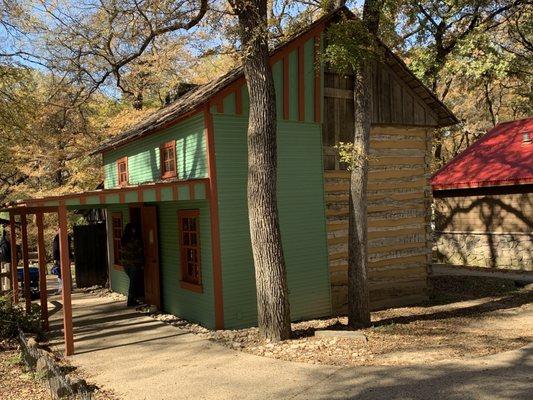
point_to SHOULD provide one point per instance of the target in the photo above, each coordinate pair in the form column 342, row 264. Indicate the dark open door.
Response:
column 152, row 291
column 90, row 255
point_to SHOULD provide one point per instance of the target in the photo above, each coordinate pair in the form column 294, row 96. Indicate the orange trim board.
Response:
column 37, row 203
column 215, row 230
column 14, row 260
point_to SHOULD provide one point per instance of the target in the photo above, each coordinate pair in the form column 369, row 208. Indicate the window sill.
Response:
column 193, row 287
column 117, row 267
column 168, row 176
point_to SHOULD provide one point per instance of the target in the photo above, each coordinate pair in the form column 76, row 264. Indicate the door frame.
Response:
column 141, row 207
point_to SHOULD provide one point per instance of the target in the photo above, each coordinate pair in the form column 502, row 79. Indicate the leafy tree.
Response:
column 271, row 278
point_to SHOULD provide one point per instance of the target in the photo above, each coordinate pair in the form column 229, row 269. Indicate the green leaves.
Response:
column 349, row 45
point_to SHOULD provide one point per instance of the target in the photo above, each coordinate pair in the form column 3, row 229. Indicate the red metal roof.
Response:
column 500, row 157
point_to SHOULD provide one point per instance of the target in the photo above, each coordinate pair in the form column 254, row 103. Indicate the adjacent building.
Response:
column 484, row 201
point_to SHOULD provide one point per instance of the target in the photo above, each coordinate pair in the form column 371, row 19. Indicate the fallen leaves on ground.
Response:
column 465, row 322
column 16, row 383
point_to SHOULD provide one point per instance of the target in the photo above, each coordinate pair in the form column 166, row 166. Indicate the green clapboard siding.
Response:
column 198, row 307
column 143, row 154
column 302, row 219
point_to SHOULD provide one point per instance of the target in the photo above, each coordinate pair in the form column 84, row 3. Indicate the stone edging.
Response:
column 62, row 385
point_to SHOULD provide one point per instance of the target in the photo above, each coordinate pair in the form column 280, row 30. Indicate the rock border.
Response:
column 63, row 385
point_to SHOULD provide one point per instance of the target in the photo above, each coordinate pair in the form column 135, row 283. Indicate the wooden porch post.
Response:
column 42, row 270
column 25, row 261
column 14, row 260
column 66, row 280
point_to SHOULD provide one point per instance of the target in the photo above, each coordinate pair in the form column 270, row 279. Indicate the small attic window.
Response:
column 122, row 171
column 167, row 155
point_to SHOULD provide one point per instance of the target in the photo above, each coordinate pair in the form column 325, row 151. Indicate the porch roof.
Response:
column 195, row 189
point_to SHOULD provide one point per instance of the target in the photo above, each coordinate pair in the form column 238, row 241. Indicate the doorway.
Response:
column 145, row 217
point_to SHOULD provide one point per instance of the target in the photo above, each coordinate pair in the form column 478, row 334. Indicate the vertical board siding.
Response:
column 302, row 219
column 293, row 85
column 198, row 307
column 309, row 79
column 143, row 154
column 278, row 69
column 277, row 72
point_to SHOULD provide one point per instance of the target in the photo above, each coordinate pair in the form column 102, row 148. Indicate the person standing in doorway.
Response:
column 132, row 258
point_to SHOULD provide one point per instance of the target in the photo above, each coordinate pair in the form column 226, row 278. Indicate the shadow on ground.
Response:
column 504, row 376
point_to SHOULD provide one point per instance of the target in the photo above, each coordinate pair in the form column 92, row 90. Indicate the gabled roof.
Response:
column 500, row 157
column 197, row 98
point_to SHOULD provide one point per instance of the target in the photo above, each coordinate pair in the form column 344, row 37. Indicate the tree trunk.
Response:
column 332, row 5
column 271, row 281
column 358, row 296
column 358, row 302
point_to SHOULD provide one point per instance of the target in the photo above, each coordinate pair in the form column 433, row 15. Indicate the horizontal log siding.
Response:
column 301, row 209
column 498, row 213
column 119, row 280
column 399, row 199
column 490, row 230
column 143, row 154
column 198, row 307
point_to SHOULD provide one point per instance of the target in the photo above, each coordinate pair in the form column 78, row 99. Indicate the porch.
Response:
column 177, row 194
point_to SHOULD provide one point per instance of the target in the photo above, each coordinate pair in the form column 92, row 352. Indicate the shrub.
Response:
column 13, row 317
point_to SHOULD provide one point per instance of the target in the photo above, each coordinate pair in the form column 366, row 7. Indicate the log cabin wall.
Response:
column 399, row 193
column 486, row 227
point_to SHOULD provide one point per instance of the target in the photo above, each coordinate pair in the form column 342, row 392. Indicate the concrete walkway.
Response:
column 140, row 358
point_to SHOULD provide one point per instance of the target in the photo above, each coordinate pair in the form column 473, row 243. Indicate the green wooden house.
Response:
column 182, row 174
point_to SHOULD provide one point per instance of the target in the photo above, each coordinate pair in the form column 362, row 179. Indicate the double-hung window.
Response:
column 122, row 171
column 167, row 154
column 116, row 219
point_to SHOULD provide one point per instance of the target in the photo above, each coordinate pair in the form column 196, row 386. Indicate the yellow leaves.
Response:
column 126, row 119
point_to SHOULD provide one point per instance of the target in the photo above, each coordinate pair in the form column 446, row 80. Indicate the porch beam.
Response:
column 25, row 261
column 33, row 210
column 66, row 281
column 14, row 260
column 42, row 270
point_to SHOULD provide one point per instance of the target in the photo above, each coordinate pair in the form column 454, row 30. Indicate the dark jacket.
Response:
column 5, row 248
column 55, row 248
column 132, row 254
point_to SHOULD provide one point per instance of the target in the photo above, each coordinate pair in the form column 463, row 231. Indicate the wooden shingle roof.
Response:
column 198, row 97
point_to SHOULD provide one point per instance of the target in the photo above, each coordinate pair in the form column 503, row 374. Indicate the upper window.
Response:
column 117, row 237
column 122, row 171
column 189, row 233
column 167, row 153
